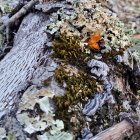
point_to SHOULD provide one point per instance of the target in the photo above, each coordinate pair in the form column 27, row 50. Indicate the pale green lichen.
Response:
column 36, row 114
column 58, row 136
column 2, row 133
column 38, row 122
column 10, row 136
column 29, row 99
column 6, row 135
column 86, row 17
column 6, row 6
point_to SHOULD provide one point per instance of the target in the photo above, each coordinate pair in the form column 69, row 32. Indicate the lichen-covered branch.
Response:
column 20, row 13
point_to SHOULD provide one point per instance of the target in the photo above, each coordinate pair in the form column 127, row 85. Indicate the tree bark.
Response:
column 19, row 64
column 116, row 132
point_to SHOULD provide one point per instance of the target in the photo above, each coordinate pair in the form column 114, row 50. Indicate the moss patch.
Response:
column 69, row 49
column 78, row 87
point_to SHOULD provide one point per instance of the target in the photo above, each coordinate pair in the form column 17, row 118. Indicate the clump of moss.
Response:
column 78, row 87
column 109, row 56
column 85, row 18
column 69, row 49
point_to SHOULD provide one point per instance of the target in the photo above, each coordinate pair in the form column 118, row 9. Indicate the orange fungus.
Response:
column 93, row 41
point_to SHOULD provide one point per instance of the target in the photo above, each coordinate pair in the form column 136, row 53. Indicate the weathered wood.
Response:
column 17, row 67
column 115, row 132
column 136, row 36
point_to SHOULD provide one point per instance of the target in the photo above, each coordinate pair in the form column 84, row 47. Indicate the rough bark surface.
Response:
column 18, row 65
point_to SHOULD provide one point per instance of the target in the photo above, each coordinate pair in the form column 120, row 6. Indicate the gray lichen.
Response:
column 36, row 114
column 86, row 17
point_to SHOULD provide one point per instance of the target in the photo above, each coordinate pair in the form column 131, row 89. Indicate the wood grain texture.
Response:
column 115, row 132
column 17, row 67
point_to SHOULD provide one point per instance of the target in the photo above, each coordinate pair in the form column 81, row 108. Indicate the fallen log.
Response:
column 116, row 132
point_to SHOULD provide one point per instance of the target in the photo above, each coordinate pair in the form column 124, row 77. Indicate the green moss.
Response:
column 110, row 55
column 78, row 87
column 46, row 82
column 69, row 49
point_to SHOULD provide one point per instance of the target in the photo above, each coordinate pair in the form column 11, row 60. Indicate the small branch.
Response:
column 20, row 13
column 106, row 6
column 136, row 36
column 115, row 132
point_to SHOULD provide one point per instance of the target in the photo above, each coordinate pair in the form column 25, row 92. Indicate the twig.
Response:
column 106, row 6
column 20, row 13
column 136, row 36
